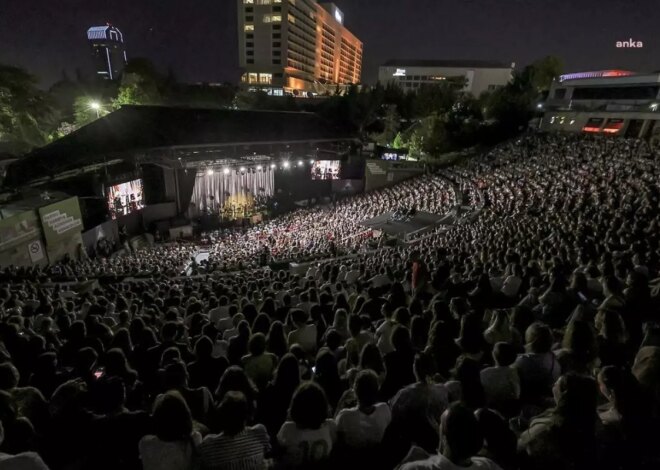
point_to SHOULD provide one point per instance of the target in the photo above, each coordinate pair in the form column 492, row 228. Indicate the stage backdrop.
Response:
column 213, row 191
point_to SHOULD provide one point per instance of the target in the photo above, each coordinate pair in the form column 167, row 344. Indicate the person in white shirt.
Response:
column 460, row 441
column 512, row 281
column 381, row 279
column 233, row 330
column 305, row 304
column 216, row 312
column 364, row 426
column 352, row 275
column 312, row 271
column 304, row 334
column 501, row 382
column 341, row 276
column 309, row 437
column 384, row 331
column 417, row 407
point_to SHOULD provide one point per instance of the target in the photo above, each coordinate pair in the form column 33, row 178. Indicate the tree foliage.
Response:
column 141, row 84
column 428, row 120
column 27, row 114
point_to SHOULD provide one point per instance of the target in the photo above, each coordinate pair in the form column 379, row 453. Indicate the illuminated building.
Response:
column 476, row 76
column 109, row 52
column 296, row 47
column 615, row 102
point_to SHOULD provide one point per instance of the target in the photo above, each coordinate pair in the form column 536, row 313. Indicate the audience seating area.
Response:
column 526, row 336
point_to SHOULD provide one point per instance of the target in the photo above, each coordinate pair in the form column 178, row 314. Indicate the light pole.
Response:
column 96, row 106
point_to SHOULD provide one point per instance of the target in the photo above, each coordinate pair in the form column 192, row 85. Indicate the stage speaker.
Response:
column 154, row 184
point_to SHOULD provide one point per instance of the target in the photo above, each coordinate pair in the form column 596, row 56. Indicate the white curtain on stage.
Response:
column 212, row 191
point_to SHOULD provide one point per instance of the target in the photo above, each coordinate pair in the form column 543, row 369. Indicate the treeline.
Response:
column 31, row 117
column 430, row 120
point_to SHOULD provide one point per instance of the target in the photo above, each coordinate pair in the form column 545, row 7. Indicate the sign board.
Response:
column 60, row 220
column 36, row 251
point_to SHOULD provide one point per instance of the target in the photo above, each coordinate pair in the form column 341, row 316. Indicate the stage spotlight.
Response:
column 286, row 164
column 273, row 166
column 311, row 162
column 300, row 163
column 242, row 169
column 258, row 167
column 226, row 171
column 209, row 171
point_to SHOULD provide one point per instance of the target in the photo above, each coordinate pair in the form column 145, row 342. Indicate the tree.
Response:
column 436, row 99
column 416, row 145
column 136, row 90
column 540, row 74
column 251, row 100
column 64, row 129
column 87, row 109
column 391, row 125
column 27, row 114
column 141, row 84
column 436, row 141
column 399, row 141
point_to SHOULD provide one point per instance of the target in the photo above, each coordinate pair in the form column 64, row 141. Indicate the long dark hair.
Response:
column 309, row 406
column 468, row 373
column 626, row 396
column 276, row 342
column 287, row 374
column 576, row 413
column 171, row 417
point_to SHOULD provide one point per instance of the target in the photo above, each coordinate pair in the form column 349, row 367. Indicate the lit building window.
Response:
column 266, row 78
column 249, row 27
column 253, row 78
column 272, row 18
column 248, row 2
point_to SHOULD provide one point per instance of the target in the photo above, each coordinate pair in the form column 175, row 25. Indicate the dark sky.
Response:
column 197, row 38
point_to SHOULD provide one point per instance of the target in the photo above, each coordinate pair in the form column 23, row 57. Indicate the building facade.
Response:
column 476, row 76
column 296, row 47
column 109, row 52
column 615, row 102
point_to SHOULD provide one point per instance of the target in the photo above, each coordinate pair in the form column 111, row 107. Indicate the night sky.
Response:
column 197, row 39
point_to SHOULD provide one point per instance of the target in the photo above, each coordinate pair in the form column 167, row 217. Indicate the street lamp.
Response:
column 96, row 106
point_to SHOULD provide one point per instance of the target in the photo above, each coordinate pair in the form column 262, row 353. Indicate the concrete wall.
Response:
column 70, row 245
column 381, row 173
column 17, row 234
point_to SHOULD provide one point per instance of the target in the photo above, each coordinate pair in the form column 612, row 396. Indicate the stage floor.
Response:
column 422, row 221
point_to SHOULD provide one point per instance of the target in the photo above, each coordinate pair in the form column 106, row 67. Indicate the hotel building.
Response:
column 296, row 47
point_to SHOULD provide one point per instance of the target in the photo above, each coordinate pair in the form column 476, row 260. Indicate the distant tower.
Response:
column 109, row 52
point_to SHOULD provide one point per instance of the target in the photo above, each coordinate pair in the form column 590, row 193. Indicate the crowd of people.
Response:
column 322, row 232
column 525, row 337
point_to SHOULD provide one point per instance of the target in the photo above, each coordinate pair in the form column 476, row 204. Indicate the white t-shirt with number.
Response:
column 306, row 446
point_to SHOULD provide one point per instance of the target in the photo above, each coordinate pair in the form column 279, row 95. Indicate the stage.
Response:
column 420, row 223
